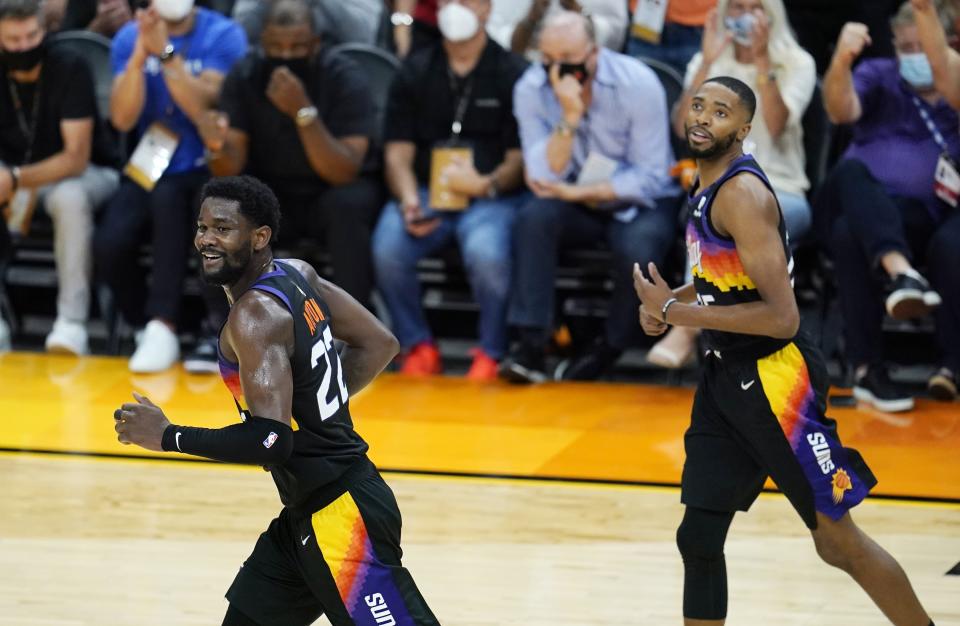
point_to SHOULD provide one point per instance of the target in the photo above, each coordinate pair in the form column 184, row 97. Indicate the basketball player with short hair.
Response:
column 759, row 407
column 335, row 547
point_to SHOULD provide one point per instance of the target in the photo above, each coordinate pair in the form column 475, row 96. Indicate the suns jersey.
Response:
column 325, row 444
column 718, row 275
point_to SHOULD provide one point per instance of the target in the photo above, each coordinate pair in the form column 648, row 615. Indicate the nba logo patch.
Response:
column 270, row 440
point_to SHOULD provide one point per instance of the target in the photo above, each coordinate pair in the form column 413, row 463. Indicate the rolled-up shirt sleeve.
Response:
column 535, row 126
column 644, row 176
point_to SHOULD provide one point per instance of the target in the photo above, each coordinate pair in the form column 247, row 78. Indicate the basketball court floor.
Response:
column 553, row 505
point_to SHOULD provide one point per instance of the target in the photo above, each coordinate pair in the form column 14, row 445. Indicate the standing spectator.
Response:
column 680, row 37
column 886, row 211
column 335, row 21
column 516, row 24
column 751, row 40
column 53, row 143
column 596, row 146
column 460, row 93
column 169, row 65
column 300, row 119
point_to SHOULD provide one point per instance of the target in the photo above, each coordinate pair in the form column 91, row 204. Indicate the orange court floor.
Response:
column 618, row 433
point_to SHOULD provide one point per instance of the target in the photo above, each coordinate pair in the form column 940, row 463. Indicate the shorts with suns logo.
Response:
column 754, row 418
column 342, row 560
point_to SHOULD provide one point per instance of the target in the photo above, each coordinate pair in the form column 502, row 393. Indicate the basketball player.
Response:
column 759, row 408
column 335, row 547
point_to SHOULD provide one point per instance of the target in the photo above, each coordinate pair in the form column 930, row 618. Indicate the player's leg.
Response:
column 236, row 617
column 700, row 538
column 350, row 559
column 843, row 545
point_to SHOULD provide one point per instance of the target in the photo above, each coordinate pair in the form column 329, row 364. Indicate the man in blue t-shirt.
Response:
column 169, row 64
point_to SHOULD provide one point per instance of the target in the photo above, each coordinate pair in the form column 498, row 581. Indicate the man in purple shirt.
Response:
column 884, row 214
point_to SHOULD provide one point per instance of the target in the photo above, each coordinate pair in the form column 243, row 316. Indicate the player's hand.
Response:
column 141, row 423
column 853, row 39
column 651, row 325
column 286, row 92
column 652, row 293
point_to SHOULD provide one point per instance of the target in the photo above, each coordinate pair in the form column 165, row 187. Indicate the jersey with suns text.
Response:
column 325, row 444
column 718, row 274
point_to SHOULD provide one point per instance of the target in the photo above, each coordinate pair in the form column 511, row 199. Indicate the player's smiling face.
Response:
column 715, row 120
column 224, row 239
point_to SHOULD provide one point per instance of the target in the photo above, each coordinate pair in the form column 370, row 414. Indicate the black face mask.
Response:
column 23, row 60
column 300, row 67
column 577, row 70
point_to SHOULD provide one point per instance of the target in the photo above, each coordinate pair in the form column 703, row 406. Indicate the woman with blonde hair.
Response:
column 751, row 40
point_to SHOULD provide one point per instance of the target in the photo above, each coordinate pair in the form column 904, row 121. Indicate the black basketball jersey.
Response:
column 718, row 274
column 325, row 444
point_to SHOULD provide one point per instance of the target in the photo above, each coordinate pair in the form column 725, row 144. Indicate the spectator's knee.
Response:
column 848, row 169
column 488, row 266
column 537, row 216
column 68, row 198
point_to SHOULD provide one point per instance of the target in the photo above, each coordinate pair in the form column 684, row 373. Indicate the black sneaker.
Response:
column 203, row 358
column 524, row 365
column 911, row 297
column 876, row 388
column 943, row 385
column 591, row 365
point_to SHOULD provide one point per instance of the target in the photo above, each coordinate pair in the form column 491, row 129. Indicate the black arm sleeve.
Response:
column 257, row 441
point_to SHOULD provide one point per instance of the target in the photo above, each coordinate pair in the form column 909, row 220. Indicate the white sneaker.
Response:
column 4, row 336
column 158, row 349
column 68, row 337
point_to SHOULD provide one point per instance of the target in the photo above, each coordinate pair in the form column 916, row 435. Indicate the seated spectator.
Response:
column 596, row 146
column 751, row 40
column 300, row 119
column 450, row 110
column 885, row 207
column 107, row 17
column 335, row 21
column 53, row 145
column 169, row 66
column 516, row 24
column 680, row 36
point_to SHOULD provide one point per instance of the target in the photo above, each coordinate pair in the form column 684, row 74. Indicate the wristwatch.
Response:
column 769, row 77
column 492, row 192
column 401, row 19
column 306, row 115
column 15, row 177
column 564, row 129
column 167, row 53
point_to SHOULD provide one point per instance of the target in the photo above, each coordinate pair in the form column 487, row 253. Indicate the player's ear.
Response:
column 262, row 237
column 743, row 132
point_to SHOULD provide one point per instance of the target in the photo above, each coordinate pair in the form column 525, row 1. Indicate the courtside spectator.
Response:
column 451, row 143
column 169, row 64
column 54, row 151
column 889, row 209
column 300, row 118
column 596, row 147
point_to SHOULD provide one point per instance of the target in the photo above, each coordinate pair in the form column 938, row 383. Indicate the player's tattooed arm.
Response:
column 370, row 346
column 745, row 210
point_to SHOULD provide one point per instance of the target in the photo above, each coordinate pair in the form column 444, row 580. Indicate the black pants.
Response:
column 864, row 223
column 342, row 218
column 168, row 216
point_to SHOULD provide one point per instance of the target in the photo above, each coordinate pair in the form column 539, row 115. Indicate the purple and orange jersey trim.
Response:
column 786, row 383
column 717, row 262
column 363, row 581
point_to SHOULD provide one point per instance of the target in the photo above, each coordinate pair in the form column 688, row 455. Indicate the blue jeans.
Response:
column 796, row 215
column 678, row 44
column 483, row 233
column 543, row 225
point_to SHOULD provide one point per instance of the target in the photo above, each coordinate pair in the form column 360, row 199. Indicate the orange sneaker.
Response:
column 484, row 368
column 423, row 359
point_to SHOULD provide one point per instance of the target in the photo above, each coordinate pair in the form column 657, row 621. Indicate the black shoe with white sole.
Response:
column 911, row 297
column 524, row 365
column 203, row 358
column 876, row 388
column 943, row 385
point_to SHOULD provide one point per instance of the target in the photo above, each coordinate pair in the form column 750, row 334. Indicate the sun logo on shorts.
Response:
column 841, row 484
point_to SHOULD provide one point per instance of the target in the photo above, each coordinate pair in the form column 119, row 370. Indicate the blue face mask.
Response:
column 915, row 69
column 741, row 27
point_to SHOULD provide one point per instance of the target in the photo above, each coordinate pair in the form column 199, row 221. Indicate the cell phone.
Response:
column 423, row 218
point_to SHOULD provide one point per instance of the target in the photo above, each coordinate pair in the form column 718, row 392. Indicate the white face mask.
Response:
column 457, row 22
column 173, row 10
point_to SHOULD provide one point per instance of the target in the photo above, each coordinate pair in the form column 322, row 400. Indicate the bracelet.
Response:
column 15, row 177
column 666, row 305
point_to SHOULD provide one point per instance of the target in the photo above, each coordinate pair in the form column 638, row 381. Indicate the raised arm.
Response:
column 839, row 94
column 944, row 60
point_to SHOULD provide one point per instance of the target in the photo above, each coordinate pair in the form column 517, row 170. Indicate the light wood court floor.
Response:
column 103, row 541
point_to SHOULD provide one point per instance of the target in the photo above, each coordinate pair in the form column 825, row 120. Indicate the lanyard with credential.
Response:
column 29, row 130
column 457, row 126
column 934, row 131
